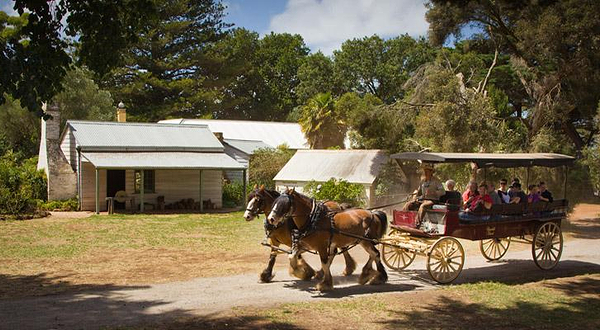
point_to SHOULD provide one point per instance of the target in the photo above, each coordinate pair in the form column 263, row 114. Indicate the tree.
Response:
column 81, row 98
column 265, row 163
column 19, row 130
column 379, row 67
column 321, row 124
column 315, row 76
column 165, row 72
column 34, row 54
column 553, row 49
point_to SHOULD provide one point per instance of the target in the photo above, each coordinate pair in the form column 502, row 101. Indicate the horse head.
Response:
column 288, row 204
column 260, row 201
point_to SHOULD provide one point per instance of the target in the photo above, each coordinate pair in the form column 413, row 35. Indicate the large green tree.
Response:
column 316, row 76
column 166, row 71
column 379, row 67
column 35, row 47
column 553, row 47
column 322, row 125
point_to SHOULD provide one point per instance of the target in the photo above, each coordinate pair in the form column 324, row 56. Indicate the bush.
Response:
column 21, row 185
column 340, row 191
column 233, row 194
column 265, row 163
column 66, row 205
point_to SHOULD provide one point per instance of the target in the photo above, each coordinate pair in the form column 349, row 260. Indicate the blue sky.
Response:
column 324, row 24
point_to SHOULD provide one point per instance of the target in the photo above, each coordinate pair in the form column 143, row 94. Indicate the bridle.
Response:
column 259, row 204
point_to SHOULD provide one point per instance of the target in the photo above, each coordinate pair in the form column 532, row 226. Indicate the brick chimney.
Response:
column 121, row 113
column 62, row 180
column 219, row 135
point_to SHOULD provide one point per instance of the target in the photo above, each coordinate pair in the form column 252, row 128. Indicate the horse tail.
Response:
column 383, row 221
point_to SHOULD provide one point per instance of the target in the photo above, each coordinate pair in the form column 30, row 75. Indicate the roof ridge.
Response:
column 114, row 123
column 237, row 120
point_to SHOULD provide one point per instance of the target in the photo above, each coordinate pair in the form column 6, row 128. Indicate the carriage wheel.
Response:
column 494, row 248
column 446, row 259
column 547, row 245
column 396, row 258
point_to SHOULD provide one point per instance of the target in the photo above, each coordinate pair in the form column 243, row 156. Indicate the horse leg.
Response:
column 299, row 268
column 267, row 274
column 350, row 264
column 320, row 273
column 380, row 275
column 327, row 283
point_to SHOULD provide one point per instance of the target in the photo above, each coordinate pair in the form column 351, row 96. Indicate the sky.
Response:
column 324, row 24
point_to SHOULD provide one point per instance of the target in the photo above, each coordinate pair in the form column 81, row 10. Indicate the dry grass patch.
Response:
column 57, row 254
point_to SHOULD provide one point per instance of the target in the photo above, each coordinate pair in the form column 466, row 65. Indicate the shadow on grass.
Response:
column 44, row 302
column 579, row 311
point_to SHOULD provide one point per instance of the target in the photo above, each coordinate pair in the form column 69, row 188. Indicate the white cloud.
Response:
column 326, row 24
column 7, row 7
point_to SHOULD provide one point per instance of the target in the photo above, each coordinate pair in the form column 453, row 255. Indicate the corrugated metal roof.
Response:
column 355, row 166
column 161, row 160
column 490, row 159
column 272, row 133
column 246, row 146
column 113, row 136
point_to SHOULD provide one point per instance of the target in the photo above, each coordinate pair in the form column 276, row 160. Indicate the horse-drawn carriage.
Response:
column 538, row 224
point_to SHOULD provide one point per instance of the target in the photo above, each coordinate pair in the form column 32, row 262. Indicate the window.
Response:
column 148, row 181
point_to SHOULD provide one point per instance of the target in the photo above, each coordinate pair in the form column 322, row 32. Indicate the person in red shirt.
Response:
column 470, row 194
column 481, row 201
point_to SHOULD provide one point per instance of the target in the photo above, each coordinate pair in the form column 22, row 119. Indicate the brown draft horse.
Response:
column 325, row 240
column 260, row 200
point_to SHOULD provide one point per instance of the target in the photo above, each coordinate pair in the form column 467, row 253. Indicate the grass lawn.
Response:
column 567, row 303
column 56, row 254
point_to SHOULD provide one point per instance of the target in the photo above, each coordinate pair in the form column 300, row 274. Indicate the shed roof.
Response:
column 161, row 160
column 490, row 159
column 246, row 146
column 273, row 134
column 355, row 166
column 113, row 136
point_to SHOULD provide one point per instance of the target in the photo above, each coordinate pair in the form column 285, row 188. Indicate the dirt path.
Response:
column 211, row 296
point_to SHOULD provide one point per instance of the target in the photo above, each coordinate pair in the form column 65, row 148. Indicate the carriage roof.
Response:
column 489, row 159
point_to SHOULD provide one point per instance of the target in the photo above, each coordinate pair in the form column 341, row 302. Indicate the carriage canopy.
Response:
column 489, row 159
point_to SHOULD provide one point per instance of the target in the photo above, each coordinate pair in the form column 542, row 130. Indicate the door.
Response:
column 115, row 181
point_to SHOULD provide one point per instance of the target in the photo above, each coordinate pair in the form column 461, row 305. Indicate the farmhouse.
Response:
column 97, row 161
column 355, row 166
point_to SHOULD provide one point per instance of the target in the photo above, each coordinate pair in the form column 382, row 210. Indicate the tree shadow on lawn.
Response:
column 579, row 312
column 64, row 305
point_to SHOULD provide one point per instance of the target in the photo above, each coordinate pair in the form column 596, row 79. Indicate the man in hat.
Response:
column 430, row 190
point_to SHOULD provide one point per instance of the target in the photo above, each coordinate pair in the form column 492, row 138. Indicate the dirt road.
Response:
column 211, row 296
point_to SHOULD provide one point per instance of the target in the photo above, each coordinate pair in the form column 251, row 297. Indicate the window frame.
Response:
column 149, row 181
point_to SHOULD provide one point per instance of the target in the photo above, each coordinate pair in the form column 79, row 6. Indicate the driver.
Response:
column 429, row 192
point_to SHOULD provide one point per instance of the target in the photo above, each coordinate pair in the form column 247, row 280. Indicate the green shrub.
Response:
column 21, row 185
column 233, row 194
column 265, row 163
column 66, row 205
column 340, row 191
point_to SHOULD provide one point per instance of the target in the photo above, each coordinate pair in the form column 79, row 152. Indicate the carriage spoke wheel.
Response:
column 547, row 245
column 446, row 259
column 396, row 258
column 494, row 248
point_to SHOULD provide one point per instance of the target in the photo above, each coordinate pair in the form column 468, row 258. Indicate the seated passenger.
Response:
column 534, row 195
column 481, row 201
column 512, row 192
column 496, row 199
column 451, row 196
column 429, row 192
column 503, row 191
column 545, row 195
column 517, row 196
column 469, row 194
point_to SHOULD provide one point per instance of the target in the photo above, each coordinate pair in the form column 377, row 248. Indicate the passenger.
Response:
column 517, row 196
column 503, row 191
column 481, row 201
column 451, row 196
column 510, row 191
column 545, row 195
column 469, row 194
column 429, row 192
column 534, row 195
column 496, row 199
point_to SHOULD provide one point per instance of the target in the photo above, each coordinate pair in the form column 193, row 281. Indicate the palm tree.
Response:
column 320, row 123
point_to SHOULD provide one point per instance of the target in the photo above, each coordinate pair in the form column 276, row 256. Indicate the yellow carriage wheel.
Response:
column 494, row 248
column 396, row 258
column 445, row 260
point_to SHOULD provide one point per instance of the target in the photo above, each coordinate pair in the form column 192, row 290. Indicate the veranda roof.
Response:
column 490, row 159
column 355, row 166
column 162, row 160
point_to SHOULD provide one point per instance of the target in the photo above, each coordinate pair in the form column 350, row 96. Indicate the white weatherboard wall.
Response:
column 174, row 185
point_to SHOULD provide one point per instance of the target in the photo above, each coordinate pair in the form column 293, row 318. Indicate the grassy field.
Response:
column 567, row 303
column 55, row 254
